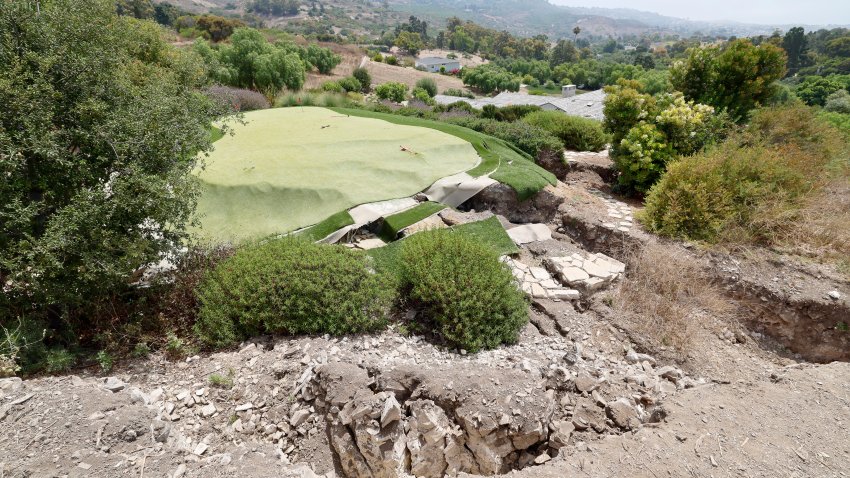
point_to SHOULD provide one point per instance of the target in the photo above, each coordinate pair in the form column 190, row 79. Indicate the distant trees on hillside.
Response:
column 276, row 8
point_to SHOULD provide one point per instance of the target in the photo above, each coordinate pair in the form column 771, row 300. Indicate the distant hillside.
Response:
column 523, row 17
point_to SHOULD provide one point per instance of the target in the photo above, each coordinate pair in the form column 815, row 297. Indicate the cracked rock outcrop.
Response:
column 431, row 424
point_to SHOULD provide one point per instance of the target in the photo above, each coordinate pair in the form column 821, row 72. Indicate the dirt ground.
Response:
column 588, row 391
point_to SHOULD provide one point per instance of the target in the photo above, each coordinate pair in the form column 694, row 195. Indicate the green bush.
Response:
column 509, row 113
column 459, row 93
column 350, row 84
column 749, row 189
column 422, row 95
column 649, row 131
column 579, row 134
column 391, row 60
column 332, row 87
column 378, row 58
column 293, row 287
column 530, row 139
column 393, row 91
column 365, row 79
column 465, row 293
column 429, row 85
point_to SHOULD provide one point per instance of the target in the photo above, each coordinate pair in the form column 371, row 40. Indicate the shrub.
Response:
column 332, row 87
column 422, row 95
column 391, row 60
column 351, row 84
column 459, row 93
column 580, row 134
column 514, row 112
column 469, row 307
column 838, row 102
column 429, row 85
column 239, row 99
column 327, row 99
column 393, row 91
column 530, row 139
column 293, row 287
column 751, row 188
column 378, row 58
column 649, row 131
column 365, row 79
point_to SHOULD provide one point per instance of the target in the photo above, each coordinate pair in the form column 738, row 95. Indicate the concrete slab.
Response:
column 530, row 233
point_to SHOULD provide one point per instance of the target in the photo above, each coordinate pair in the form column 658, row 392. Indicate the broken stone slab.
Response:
column 453, row 217
column 527, row 233
column 372, row 243
column 564, row 294
column 113, row 384
column 391, row 412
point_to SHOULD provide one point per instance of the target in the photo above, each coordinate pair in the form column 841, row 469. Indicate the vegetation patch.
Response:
column 755, row 187
column 291, row 286
column 464, row 293
column 397, row 222
column 577, row 134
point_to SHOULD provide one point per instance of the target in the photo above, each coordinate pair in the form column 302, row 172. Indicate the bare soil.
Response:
column 591, row 388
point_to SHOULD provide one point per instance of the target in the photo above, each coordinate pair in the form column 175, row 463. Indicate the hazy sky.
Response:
column 818, row 12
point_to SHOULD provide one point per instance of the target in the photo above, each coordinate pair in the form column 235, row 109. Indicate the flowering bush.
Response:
column 650, row 131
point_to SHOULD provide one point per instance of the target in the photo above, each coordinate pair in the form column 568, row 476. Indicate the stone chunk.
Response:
column 573, row 275
column 623, row 414
column 391, row 412
column 299, row 417
column 113, row 384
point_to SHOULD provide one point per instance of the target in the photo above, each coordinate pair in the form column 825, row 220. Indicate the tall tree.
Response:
column 101, row 128
column 795, row 46
column 564, row 51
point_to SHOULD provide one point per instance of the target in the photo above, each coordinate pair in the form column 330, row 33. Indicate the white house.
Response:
column 435, row 64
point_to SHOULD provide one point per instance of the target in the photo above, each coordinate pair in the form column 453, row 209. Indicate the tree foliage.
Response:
column 736, row 78
column 277, row 8
column 101, row 129
column 489, row 78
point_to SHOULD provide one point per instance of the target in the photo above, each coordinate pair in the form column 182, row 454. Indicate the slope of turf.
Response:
column 506, row 163
column 289, row 168
column 395, row 223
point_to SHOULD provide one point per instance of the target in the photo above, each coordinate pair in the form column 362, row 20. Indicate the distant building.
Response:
column 435, row 64
column 586, row 105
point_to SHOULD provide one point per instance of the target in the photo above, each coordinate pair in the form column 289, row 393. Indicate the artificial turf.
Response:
column 327, row 227
column 394, row 224
column 504, row 162
column 288, row 168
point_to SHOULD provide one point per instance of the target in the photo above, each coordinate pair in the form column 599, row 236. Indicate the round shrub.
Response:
column 239, row 99
column 293, row 287
column 429, row 85
column 365, row 79
column 422, row 95
column 350, row 84
column 579, row 134
column 467, row 296
column 333, row 87
column 392, row 91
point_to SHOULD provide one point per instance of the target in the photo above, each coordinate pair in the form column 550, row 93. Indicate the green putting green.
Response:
column 289, row 168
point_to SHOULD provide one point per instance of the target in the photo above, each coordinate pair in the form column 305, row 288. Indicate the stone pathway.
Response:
column 538, row 283
column 620, row 214
column 587, row 272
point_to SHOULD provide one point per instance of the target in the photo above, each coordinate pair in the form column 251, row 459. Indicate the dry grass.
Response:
column 668, row 293
column 351, row 58
column 382, row 73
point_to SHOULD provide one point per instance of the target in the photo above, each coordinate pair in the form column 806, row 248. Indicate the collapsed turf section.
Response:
column 288, row 168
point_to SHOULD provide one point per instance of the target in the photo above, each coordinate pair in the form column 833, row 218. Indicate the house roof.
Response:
column 587, row 105
column 433, row 60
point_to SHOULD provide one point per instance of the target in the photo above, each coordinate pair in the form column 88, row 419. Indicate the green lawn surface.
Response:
column 289, row 168
column 488, row 231
column 512, row 166
column 394, row 224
